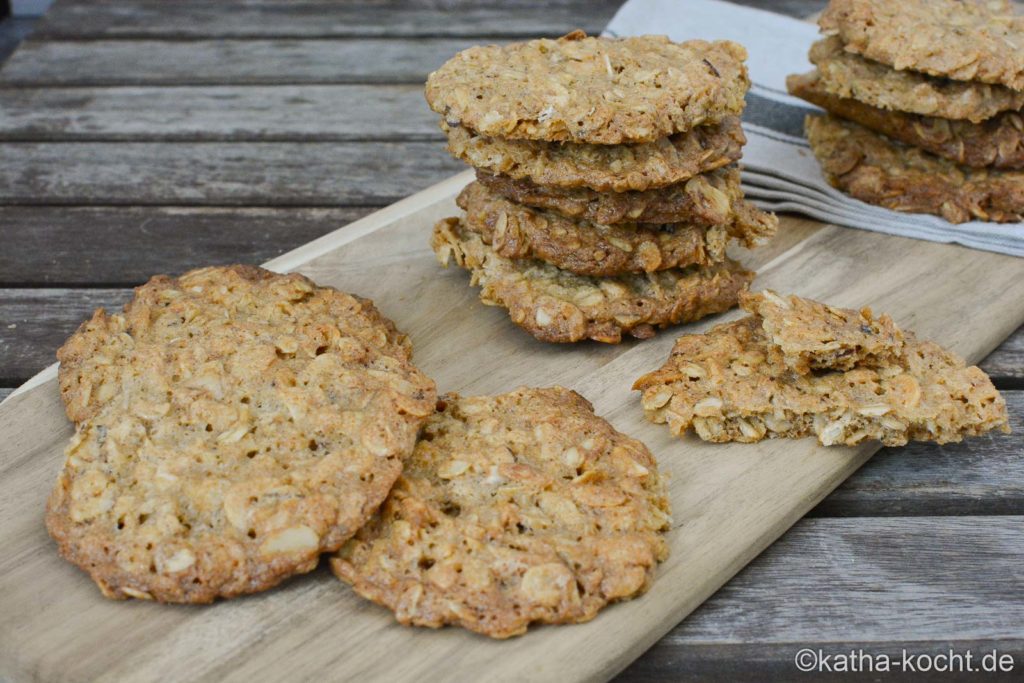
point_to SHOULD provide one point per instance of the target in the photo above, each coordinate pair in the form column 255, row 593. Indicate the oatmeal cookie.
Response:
column 997, row 142
column 515, row 231
column 875, row 170
column 729, row 385
column 972, row 40
column 232, row 424
column 605, row 91
column 846, row 75
column 557, row 306
column 514, row 509
column 604, row 168
column 815, row 336
column 708, row 199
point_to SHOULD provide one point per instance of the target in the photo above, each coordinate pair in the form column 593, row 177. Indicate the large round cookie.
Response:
column 844, row 74
column 597, row 90
column 232, row 425
column 519, row 508
column 966, row 40
column 997, row 142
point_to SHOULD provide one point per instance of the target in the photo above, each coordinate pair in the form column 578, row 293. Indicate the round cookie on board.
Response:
column 519, row 508
column 585, row 89
column 232, row 424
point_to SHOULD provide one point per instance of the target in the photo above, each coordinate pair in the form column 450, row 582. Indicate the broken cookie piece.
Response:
column 816, row 336
column 733, row 384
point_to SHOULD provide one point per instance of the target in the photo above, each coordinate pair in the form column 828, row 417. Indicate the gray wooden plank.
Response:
column 876, row 579
column 157, row 62
column 42, row 61
column 35, row 322
column 250, row 174
column 219, row 113
column 763, row 663
column 309, row 19
column 124, row 246
column 13, row 30
column 1007, row 361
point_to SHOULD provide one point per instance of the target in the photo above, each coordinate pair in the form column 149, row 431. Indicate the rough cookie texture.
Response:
column 997, row 142
column 519, row 508
column 815, row 336
column 708, row 199
column 971, row 40
column 869, row 167
column 605, row 168
column 604, row 91
column 730, row 385
column 846, row 75
column 557, row 306
column 515, row 231
column 232, row 425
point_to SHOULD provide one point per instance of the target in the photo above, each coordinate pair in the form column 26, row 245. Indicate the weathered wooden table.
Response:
column 141, row 137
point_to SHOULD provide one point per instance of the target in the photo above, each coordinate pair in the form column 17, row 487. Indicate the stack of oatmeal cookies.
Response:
column 607, row 186
column 924, row 100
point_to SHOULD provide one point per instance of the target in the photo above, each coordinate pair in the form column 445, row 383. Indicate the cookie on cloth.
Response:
column 964, row 40
column 514, row 509
column 232, row 424
column 843, row 74
column 997, row 142
column 515, row 231
column 869, row 167
column 605, row 91
column 604, row 168
column 558, row 306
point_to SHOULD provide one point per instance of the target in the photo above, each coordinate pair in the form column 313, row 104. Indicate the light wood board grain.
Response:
column 730, row 501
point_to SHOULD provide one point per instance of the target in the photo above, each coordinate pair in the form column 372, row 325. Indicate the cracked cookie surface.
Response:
column 713, row 198
column 515, row 231
column 582, row 89
column 997, row 142
column 604, row 168
column 232, row 424
column 843, row 74
column 557, row 306
column 876, row 170
column 514, row 509
column 965, row 40
column 815, row 336
column 731, row 384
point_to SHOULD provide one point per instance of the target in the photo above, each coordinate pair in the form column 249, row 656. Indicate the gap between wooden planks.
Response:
column 730, row 501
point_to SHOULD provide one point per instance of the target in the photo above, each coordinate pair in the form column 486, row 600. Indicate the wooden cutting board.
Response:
column 729, row 501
